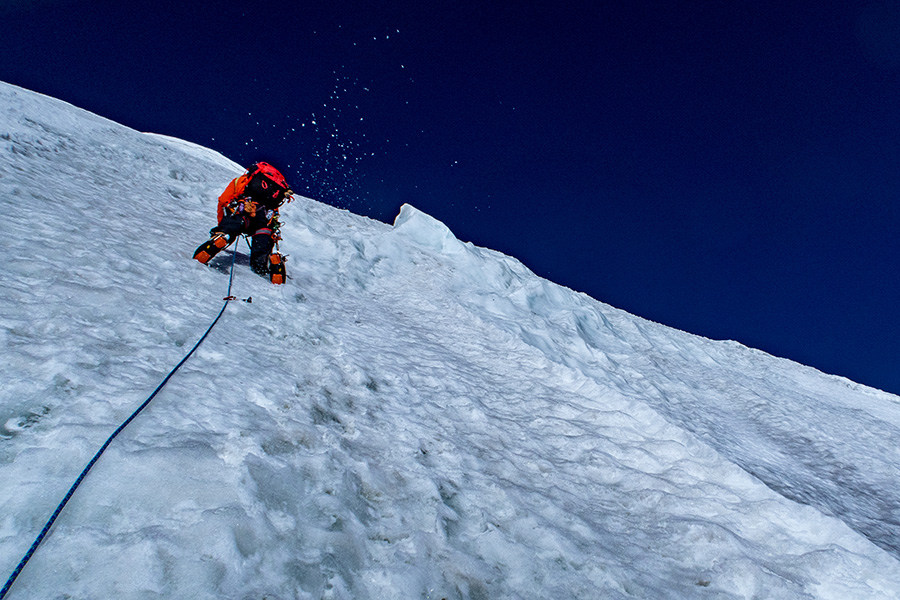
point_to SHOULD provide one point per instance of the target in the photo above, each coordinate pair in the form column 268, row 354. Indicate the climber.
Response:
column 249, row 205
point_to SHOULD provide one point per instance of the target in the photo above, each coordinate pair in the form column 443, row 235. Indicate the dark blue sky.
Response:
column 730, row 168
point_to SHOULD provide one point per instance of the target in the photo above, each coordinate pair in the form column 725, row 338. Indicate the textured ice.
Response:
column 410, row 416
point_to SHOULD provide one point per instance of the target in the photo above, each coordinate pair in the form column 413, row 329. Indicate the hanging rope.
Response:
column 65, row 500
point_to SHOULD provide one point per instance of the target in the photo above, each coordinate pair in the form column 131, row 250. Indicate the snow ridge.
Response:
column 410, row 416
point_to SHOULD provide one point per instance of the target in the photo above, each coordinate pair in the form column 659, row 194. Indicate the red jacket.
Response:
column 232, row 192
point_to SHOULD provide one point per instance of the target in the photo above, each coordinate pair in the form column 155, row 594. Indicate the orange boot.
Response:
column 212, row 247
column 277, row 273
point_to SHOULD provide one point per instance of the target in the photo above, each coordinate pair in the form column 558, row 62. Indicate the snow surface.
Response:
column 410, row 416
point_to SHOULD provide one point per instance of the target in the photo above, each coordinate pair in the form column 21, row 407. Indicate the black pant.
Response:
column 261, row 241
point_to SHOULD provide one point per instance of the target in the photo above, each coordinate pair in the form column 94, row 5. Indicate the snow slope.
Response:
column 409, row 416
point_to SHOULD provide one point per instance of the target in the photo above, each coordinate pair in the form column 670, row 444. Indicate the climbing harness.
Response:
column 68, row 496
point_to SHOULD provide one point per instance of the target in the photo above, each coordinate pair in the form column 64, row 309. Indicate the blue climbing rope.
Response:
column 68, row 496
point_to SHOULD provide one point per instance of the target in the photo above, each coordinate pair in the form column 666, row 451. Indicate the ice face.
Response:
column 409, row 416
